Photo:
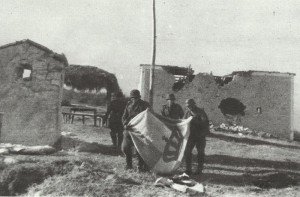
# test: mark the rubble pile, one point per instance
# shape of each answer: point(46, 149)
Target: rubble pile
point(241, 131)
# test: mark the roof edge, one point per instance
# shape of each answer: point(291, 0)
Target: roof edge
point(60, 57)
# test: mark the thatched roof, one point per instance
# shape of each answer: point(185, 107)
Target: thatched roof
point(90, 78)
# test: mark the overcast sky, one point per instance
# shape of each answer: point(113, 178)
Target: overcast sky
point(116, 35)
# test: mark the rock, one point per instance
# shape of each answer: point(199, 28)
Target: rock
point(4, 151)
point(37, 150)
point(68, 134)
point(10, 160)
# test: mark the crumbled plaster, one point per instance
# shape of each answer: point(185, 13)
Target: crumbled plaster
point(270, 92)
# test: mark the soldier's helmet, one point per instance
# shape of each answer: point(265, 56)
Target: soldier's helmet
point(170, 97)
point(135, 94)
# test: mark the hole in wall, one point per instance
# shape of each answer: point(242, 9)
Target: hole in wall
point(221, 81)
point(232, 106)
point(180, 82)
point(259, 111)
point(24, 71)
point(232, 109)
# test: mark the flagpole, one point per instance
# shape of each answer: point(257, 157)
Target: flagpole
point(153, 58)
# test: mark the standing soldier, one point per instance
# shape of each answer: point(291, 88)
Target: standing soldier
point(133, 108)
point(172, 109)
point(114, 116)
point(199, 128)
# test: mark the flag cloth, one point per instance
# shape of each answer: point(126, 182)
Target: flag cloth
point(160, 141)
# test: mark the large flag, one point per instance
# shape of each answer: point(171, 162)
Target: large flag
point(160, 141)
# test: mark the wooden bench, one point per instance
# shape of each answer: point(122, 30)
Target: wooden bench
point(69, 117)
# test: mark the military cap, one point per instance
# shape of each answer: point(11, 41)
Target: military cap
point(135, 94)
point(190, 101)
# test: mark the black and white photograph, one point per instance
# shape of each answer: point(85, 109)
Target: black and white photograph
point(150, 98)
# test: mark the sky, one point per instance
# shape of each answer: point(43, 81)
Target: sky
point(116, 35)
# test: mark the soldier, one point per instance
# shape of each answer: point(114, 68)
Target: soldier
point(199, 128)
point(133, 108)
point(172, 109)
point(114, 116)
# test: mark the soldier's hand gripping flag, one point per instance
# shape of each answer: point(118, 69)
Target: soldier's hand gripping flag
point(160, 141)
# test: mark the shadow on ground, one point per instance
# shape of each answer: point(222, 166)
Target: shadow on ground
point(250, 141)
point(274, 174)
point(70, 143)
point(248, 162)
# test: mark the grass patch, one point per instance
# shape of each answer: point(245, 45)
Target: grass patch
point(17, 178)
point(91, 178)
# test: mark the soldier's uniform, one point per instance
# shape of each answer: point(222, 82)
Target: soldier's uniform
point(114, 116)
point(132, 109)
point(199, 128)
point(172, 110)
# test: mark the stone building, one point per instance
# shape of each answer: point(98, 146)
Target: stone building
point(260, 100)
point(31, 84)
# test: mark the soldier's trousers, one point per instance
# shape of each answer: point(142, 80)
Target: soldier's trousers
point(127, 148)
point(116, 134)
point(200, 144)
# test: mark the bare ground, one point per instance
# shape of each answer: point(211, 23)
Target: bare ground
point(235, 166)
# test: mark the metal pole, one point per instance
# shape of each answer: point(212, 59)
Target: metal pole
point(153, 59)
point(1, 120)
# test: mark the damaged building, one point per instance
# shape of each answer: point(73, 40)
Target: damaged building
point(259, 100)
point(31, 84)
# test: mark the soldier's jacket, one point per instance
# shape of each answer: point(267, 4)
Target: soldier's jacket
point(133, 109)
point(115, 111)
point(199, 123)
point(174, 111)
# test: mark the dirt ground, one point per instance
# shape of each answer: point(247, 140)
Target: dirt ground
point(90, 166)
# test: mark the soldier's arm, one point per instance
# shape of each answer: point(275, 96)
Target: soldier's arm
point(181, 113)
point(107, 113)
point(204, 117)
point(125, 116)
point(163, 111)
point(186, 115)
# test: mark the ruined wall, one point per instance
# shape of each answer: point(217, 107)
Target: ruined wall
point(270, 92)
point(31, 107)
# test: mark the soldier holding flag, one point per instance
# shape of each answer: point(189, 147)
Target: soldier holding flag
point(199, 129)
point(135, 106)
point(172, 109)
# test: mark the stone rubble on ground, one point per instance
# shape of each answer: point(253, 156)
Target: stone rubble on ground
point(67, 134)
point(181, 183)
point(7, 148)
point(241, 131)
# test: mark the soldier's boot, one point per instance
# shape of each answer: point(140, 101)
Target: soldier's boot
point(142, 166)
point(188, 171)
point(188, 163)
point(128, 162)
